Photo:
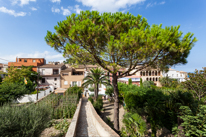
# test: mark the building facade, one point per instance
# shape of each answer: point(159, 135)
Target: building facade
point(72, 76)
point(179, 75)
point(35, 62)
point(135, 80)
point(3, 67)
point(150, 74)
point(51, 74)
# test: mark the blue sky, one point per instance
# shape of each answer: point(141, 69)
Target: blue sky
point(24, 23)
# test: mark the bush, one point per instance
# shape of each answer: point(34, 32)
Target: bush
point(98, 105)
point(91, 100)
point(134, 125)
point(11, 91)
point(75, 90)
point(148, 84)
point(35, 92)
point(24, 121)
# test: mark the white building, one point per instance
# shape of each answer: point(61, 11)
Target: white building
point(179, 75)
point(50, 74)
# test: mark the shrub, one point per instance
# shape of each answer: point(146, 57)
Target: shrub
point(74, 90)
point(11, 91)
point(24, 121)
point(91, 100)
point(148, 84)
point(134, 125)
point(194, 124)
point(98, 105)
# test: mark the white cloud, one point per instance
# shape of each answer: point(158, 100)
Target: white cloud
point(12, 12)
point(161, 3)
point(49, 56)
point(55, 10)
point(155, 3)
point(109, 5)
point(32, 8)
point(56, 1)
point(22, 2)
point(77, 9)
point(66, 12)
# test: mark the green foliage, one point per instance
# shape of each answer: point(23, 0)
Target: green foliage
point(24, 121)
point(160, 108)
point(135, 126)
point(197, 83)
point(0, 79)
point(141, 84)
point(91, 89)
point(91, 100)
point(96, 77)
point(109, 91)
point(168, 82)
point(75, 90)
point(130, 81)
point(62, 126)
point(148, 84)
point(11, 91)
point(98, 104)
point(35, 92)
point(194, 124)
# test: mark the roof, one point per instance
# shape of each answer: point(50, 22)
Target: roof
point(51, 66)
point(30, 58)
point(67, 70)
point(56, 75)
point(172, 69)
point(182, 72)
point(133, 76)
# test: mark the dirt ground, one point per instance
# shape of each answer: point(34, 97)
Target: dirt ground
point(109, 112)
point(51, 131)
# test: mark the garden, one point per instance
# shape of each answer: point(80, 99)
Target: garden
point(55, 111)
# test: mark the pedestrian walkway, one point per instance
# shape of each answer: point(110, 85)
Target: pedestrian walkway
point(85, 126)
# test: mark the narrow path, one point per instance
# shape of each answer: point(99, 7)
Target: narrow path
point(85, 125)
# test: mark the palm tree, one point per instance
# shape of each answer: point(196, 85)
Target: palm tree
point(96, 77)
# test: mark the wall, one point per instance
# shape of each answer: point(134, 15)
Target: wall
point(48, 71)
point(71, 78)
point(176, 75)
point(32, 97)
point(50, 81)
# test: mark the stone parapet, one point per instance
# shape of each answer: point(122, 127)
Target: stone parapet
point(73, 125)
point(103, 129)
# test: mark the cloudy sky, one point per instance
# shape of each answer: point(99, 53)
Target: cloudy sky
point(24, 23)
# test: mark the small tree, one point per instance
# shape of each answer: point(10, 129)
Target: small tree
point(0, 79)
point(148, 84)
point(141, 84)
point(95, 77)
point(11, 91)
point(197, 83)
point(109, 91)
point(130, 81)
point(117, 40)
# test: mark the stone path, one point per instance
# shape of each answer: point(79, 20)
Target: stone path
point(85, 126)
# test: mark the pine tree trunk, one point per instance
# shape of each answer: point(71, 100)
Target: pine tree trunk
point(116, 103)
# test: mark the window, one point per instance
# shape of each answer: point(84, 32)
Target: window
point(172, 75)
point(34, 60)
point(74, 83)
point(43, 80)
point(19, 59)
point(177, 75)
point(55, 83)
point(55, 71)
point(65, 82)
point(77, 73)
point(55, 79)
point(181, 75)
point(25, 60)
point(65, 74)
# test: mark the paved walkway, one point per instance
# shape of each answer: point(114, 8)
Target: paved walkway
point(85, 126)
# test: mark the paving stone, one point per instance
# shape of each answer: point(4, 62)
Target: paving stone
point(85, 125)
